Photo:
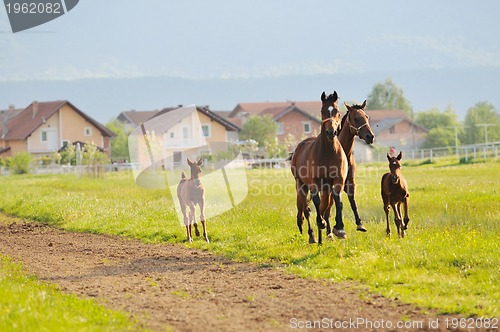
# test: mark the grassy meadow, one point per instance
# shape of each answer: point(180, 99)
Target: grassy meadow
point(449, 260)
point(27, 304)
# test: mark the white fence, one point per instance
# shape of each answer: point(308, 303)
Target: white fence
point(462, 153)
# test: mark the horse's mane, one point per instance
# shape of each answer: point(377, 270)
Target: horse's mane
point(356, 106)
point(342, 122)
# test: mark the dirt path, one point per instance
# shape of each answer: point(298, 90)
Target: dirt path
point(189, 290)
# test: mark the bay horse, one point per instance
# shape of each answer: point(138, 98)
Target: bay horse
point(319, 165)
point(354, 123)
point(394, 192)
point(191, 193)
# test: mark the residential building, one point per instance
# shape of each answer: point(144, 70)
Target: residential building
point(180, 133)
point(294, 120)
point(45, 127)
point(393, 128)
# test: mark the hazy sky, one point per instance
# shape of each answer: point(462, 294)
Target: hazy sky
point(200, 39)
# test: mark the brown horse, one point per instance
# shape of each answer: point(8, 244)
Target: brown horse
point(394, 192)
point(191, 193)
point(354, 123)
point(319, 165)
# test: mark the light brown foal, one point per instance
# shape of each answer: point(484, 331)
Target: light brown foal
point(394, 192)
point(191, 193)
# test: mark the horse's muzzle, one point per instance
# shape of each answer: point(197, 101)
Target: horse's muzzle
point(369, 138)
point(395, 179)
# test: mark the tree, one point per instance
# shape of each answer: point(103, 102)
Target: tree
point(441, 127)
point(388, 96)
point(119, 143)
point(439, 137)
point(259, 128)
point(483, 113)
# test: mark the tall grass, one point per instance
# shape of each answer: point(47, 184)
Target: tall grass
point(449, 260)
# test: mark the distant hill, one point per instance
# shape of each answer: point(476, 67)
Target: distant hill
point(105, 98)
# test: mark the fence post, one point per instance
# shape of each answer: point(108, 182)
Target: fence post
point(430, 155)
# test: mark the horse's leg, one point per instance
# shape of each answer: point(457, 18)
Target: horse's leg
point(350, 189)
point(301, 197)
point(338, 229)
point(304, 211)
point(185, 215)
point(191, 219)
point(324, 213)
point(319, 218)
point(195, 223)
point(387, 208)
point(397, 217)
point(203, 220)
point(407, 218)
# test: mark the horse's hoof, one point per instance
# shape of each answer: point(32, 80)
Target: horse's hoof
point(312, 240)
point(207, 240)
point(340, 233)
point(330, 235)
point(197, 232)
point(361, 228)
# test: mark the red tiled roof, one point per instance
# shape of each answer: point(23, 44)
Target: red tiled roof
point(27, 121)
point(311, 107)
point(137, 117)
point(278, 112)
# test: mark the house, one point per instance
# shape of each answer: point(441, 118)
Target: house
point(132, 119)
point(295, 120)
point(45, 127)
point(178, 133)
point(393, 128)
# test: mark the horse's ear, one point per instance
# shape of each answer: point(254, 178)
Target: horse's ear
point(323, 96)
point(347, 105)
point(364, 104)
point(400, 155)
point(388, 157)
point(200, 162)
point(335, 96)
point(190, 163)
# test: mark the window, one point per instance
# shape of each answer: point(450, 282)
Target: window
point(307, 127)
point(44, 136)
point(88, 131)
point(185, 132)
point(206, 132)
point(392, 130)
point(280, 129)
point(172, 135)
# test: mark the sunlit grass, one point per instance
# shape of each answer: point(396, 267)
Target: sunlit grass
point(27, 304)
point(449, 260)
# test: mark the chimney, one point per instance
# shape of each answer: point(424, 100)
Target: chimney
point(35, 108)
point(12, 108)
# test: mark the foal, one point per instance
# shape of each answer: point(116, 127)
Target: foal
point(191, 193)
point(394, 192)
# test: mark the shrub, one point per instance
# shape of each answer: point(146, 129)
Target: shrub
point(19, 163)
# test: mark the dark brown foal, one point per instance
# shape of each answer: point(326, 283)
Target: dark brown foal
point(394, 192)
point(191, 193)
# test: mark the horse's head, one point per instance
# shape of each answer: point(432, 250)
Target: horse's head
point(358, 122)
point(195, 171)
point(330, 115)
point(395, 167)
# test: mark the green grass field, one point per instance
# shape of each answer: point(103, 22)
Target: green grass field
point(449, 260)
point(29, 305)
